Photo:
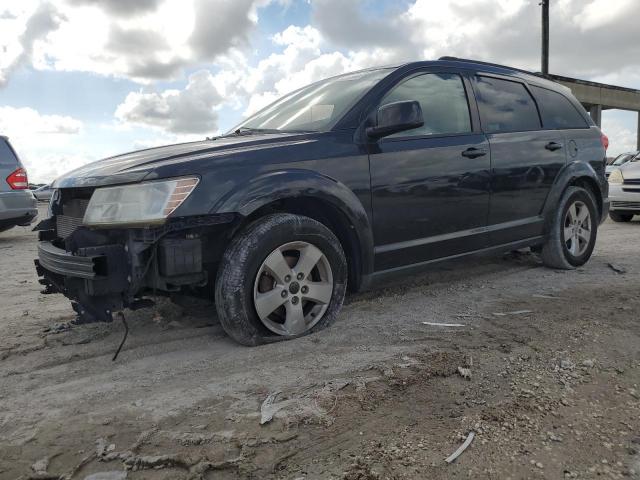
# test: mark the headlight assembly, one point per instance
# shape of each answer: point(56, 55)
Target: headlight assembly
point(145, 203)
point(616, 177)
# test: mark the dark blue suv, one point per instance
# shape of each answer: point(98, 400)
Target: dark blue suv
point(339, 184)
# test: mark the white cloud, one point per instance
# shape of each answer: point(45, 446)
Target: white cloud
point(19, 43)
point(141, 40)
point(125, 8)
point(178, 111)
point(28, 123)
point(42, 140)
point(301, 62)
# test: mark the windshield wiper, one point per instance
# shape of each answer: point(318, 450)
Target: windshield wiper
point(249, 130)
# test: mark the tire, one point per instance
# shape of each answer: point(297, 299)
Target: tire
point(244, 280)
point(559, 253)
point(620, 217)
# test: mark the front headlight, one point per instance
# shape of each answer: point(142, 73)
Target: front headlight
point(143, 203)
point(616, 177)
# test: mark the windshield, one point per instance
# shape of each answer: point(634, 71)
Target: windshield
point(315, 107)
point(624, 158)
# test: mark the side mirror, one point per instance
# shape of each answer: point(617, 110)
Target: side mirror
point(396, 117)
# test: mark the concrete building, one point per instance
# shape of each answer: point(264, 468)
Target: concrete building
point(599, 96)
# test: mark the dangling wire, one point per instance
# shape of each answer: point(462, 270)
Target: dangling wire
point(126, 332)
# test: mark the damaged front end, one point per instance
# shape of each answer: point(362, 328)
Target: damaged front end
point(104, 268)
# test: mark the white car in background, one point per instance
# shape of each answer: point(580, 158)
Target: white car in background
point(621, 160)
point(43, 194)
point(624, 192)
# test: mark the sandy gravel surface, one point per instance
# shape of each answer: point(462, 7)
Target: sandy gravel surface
point(553, 392)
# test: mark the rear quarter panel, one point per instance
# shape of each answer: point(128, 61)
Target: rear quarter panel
point(585, 145)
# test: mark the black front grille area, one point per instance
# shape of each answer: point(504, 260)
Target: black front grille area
point(632, 184)
point(66, 225)
point(71, 208)
point(629, 205)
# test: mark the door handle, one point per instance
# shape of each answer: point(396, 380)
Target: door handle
point(473, 152)
point(553, 146)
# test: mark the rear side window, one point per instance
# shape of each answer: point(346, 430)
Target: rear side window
point(505, 106)
point(7, 157)
point(557, 111)
point(443, 101)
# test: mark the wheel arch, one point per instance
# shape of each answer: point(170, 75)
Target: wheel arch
point(316, 196)
point(579, 174)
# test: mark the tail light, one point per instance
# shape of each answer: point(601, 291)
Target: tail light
point(18, 179)
point(605, 141)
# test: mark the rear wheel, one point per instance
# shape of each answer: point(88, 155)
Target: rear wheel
point(573, 231)
point(620, 217)
point(282, 277)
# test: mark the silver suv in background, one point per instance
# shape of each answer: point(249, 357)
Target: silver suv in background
point(18, 206)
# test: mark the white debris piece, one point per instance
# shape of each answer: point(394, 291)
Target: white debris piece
point(465, 372)
point(451, 458)
point(517, 312)
point(115, 475)
point(435, 324)
point(267, 410)
point(41, 466)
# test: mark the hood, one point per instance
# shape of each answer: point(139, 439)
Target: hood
point(135, 166)
point(631, 170)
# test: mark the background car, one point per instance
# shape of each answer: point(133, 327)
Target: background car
point(43, 194)
point(624, 192)
point(621, 160)
point(17, 204)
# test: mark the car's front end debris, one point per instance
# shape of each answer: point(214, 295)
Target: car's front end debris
point(105, 248)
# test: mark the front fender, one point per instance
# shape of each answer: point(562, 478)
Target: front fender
point(270, 187)
point(568, 175)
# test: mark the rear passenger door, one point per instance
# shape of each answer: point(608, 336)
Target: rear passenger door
point(525, 159)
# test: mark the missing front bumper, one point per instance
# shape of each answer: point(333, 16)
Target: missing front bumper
point(95, 277)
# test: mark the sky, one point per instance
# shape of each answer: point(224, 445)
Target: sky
point(81, 80)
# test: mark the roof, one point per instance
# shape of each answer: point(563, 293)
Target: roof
point(496, 68)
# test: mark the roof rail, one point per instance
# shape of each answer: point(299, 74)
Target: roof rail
point(467, 60)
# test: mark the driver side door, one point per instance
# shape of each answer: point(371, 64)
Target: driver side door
point(431, 185)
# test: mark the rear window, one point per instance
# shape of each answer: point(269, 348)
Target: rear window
point(505, 106)
point(557, 111)
point(7, 157)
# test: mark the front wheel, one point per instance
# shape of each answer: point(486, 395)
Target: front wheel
point(621, 217)
point(282, 277)
point(573, 231)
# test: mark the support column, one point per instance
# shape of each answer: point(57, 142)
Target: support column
point(545, 37)
point(638, 136)
point(596, 114)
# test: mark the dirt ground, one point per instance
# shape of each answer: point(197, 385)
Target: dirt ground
point(545, 371)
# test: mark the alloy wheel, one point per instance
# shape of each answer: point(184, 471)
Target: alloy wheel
point(577, 229)
point(293, 288)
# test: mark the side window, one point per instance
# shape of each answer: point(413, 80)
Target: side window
point(443, 101)
point(557, 111)
point(505, 106)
